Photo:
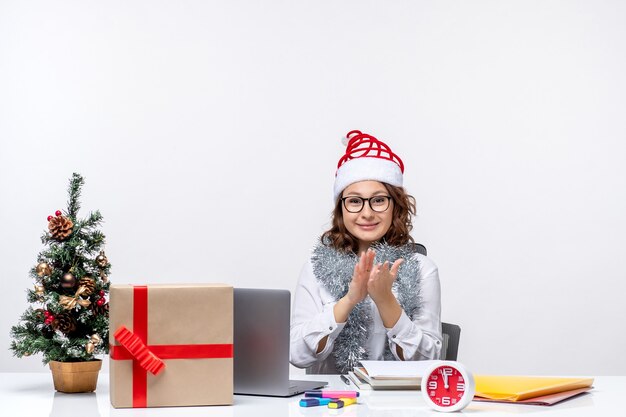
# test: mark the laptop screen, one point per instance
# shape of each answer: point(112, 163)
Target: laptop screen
point(261, 340)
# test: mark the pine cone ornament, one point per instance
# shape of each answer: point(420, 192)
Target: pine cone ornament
point(64, 322)
point(89, 284)
point(60, 227)
point(100, 310)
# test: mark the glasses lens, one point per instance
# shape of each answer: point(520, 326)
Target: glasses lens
point(379, 203)
point(353, 204)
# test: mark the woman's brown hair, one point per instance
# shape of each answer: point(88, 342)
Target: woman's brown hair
point(398, 234)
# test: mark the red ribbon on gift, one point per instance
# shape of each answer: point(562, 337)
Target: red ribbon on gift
point(149, 358)
point(139, 351)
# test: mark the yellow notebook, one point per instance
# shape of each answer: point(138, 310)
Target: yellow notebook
point(516, 388)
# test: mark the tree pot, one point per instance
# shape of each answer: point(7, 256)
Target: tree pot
point(75, 376)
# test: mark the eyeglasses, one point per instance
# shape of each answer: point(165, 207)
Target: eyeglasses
point(378, 203)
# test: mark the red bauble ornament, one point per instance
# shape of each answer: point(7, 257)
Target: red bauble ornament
point(46, 313)
point(100, 301)
point(49, 218)
point(101, 293)
point(58, 212)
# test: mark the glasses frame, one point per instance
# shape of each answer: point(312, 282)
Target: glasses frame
point(363, 200)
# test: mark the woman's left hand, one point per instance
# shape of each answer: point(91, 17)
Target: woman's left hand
point(380, 282)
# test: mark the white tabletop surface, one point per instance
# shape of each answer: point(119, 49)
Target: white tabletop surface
point(32, 394)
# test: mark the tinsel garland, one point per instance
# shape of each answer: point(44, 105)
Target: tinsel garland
point(334, 269)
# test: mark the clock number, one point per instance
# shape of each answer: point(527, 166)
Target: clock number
point(460, 386)
point(446, 401)
point(432, 384)
point(445, 373)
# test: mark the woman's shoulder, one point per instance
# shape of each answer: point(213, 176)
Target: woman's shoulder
point(307, 267)
point(426, 265)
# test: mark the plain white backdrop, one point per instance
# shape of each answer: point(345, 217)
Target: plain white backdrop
point(208, 133)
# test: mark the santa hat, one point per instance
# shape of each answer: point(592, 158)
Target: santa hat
point(367, 158)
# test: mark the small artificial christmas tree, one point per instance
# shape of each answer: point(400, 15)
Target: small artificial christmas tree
point(71, 288)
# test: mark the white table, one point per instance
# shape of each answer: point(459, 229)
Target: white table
point(32, 394)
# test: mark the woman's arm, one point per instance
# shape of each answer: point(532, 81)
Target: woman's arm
point(421, 337)
point(312, 321)
point(379, 285)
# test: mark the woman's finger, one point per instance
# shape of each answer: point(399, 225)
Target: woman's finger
point(370, 259)
point(362, 261)
point(396, 266)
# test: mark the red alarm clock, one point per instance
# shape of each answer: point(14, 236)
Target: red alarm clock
point(448, 386)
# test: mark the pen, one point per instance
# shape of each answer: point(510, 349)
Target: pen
point(342, 402)
point(331, 394)
point(345, 379)
point(314, 402)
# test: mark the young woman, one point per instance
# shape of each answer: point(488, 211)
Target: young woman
point(366, 293)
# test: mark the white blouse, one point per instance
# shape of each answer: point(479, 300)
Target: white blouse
point(313, 319)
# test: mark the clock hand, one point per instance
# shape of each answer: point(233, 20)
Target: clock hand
point(445, 379)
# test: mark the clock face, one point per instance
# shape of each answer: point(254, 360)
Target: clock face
point(447, 387)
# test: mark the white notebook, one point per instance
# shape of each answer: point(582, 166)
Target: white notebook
point(396, 369)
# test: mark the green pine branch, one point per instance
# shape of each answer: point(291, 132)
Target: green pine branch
point(74, 190)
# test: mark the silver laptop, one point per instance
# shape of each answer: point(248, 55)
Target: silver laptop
point(261, 344)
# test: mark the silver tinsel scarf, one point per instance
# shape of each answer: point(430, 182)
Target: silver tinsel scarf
point(333, 269)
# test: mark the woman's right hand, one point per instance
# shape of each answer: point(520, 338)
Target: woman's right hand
point(357, 291)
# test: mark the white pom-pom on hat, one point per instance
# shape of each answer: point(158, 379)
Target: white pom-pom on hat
point(346, 139)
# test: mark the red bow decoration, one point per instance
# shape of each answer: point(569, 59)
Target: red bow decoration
point(133, 344)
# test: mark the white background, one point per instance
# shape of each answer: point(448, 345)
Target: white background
point(208, 133)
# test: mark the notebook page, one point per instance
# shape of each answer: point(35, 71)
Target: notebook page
point(396, 369)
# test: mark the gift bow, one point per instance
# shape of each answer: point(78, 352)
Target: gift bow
point(69, 303)
point(144, 356)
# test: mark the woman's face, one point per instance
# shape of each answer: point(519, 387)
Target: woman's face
point(367, 226)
